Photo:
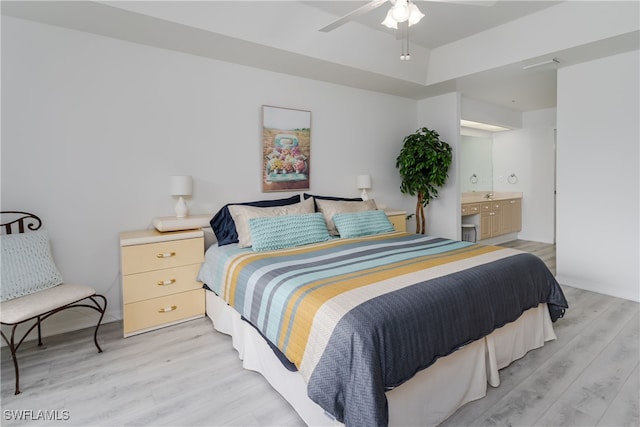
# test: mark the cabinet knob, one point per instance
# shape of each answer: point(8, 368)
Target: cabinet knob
point(512, 201)
point(166, 255)
point(166, 282)
point(167, 309)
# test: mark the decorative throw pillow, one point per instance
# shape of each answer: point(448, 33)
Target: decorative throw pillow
point(359, 224)
point(242, 214)
point(225, 229)
point(331, 207)
point(281, 232)
point(27, 264)
point(345, 199)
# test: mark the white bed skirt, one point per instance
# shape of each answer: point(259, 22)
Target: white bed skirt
point(428, 398)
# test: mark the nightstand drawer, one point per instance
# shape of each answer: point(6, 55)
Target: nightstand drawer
point(156, 256)
point(142, 315)
point(158, 283)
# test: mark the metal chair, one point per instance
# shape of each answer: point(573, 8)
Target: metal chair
point(41, 304)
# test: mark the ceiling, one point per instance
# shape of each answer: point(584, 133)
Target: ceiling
point(512, 88)
point(436, 29)
point(283, 36)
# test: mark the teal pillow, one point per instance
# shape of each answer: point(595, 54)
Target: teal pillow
point(365, 223)
point(287, 231)
point(27, 264)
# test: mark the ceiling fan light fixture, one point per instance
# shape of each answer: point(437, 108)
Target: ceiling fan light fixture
point(389, 22)
point(400, 11)
point(416, 15)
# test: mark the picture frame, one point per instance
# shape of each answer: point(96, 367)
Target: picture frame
point(286, 149)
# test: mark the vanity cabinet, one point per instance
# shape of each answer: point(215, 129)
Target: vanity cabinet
point(491, 220)
point(496, 217)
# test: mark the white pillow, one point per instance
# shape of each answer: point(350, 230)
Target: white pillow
point(27, 264)
point(241, 215)
point(331, 207)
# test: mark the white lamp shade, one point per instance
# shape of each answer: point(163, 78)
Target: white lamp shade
point(363, 182)
point(400, 11)
point(416, 14)
point(181, 185)
point(389, 22)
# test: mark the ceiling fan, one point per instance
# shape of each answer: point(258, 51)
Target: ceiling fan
point(403, 12)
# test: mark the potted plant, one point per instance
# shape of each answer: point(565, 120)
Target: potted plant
point(423, 163)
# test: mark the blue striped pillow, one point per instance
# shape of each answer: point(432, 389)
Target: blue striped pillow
point(287, 231)
point(357, 224)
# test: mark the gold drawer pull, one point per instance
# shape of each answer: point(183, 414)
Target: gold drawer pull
point(166, 255)
point(166, 282)
point(167, 309)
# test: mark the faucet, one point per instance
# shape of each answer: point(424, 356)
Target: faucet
point(489, 195)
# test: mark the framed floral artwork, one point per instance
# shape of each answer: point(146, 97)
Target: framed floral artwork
point(286, 149)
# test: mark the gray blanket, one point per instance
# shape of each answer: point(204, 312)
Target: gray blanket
point(360, 316)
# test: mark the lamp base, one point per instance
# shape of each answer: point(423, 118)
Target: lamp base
point(181, 208)
point(364, 195)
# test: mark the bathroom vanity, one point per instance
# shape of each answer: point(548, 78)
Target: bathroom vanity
point(494, 214)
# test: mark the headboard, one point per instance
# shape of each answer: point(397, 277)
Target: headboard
point(12, 221)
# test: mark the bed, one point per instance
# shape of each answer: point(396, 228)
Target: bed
point(372, 327)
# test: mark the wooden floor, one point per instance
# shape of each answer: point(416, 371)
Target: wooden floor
point(188, 375)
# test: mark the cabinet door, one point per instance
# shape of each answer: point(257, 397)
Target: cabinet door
point(485, 225)
point(497, 225)
point(515, 209)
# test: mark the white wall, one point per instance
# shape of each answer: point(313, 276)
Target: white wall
point(529, 154)
point(442, 114)
point(598, 180)
point(565, 25)
point(483, 112)
point(92, 127)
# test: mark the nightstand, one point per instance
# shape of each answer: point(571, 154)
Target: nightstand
point(398, 219)
point(159, 286)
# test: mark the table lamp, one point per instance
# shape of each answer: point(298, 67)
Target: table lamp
point(363, 182)
point(181, 185)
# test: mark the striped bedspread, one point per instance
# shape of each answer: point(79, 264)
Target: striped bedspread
point(360, 316)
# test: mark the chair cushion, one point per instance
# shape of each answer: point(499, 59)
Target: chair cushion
point(20, 309)
point(27, 264)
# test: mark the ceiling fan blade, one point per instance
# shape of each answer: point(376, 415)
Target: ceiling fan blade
point(353, 14)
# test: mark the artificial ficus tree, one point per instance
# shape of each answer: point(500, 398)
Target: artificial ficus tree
point(423, 164)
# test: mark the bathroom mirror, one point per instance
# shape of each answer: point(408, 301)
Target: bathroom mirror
point(476, 165)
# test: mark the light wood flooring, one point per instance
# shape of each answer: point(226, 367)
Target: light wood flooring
point(189, 375)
